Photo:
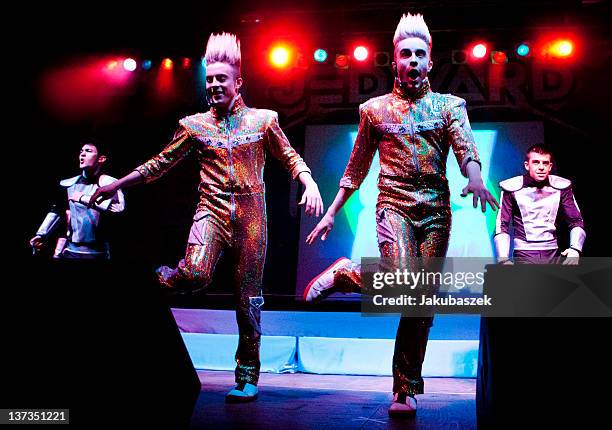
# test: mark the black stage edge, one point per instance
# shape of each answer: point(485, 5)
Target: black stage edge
point(98, 339)
point(541, 372)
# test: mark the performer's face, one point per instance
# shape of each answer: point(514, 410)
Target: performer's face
point(412, 62)
point(538, 166)
point(89, 157)
point(222, 84)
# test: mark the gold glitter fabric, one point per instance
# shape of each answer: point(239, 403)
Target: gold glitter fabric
point(243, 241)
point(399, 240)
point(231, 152)
point(413, 135)
point(231, 214)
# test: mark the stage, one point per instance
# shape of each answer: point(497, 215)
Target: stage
point(305, 401)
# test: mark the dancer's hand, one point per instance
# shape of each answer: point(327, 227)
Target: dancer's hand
point(76, 196)
point(324, 226)
point(571, 257)
point(480, 192)
point(37, 242)
point(102, 193)
point(312, 200)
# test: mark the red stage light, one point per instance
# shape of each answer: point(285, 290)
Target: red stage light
point(129, 64)
point(560, 48)
point(112, 65)
point(186, 63)
point(167, 64)
point(281, 56)
point(499, 57)
point(479, 50)
point(361, 53)
point(342, 61)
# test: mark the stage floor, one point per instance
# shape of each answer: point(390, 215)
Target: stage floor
point(306, 401)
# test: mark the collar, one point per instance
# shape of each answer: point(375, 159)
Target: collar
point(402, 93)
point(84, 179)
point(528, 181)
point(236, 105)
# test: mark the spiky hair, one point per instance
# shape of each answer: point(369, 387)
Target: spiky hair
point(412, 26)
point(223, 48)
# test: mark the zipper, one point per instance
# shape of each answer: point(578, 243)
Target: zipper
point(413, 141)
point(231, 168)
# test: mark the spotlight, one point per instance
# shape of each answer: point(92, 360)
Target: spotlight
point(360, 53)
point(342, 61)
point(523, 50)
point(129, 64)
point(382, 59)
point(479, 50)
point(499, 57)
point(280, 56)
point(320, 55)
point(561, 48)
point(167, 64)
point(459, 56)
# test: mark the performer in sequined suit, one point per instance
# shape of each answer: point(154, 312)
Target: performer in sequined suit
point(85, 238)
point(230, 142)
point(413, 129)
point(534, 204)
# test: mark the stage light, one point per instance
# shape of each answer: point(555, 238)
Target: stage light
point(112, 65)
point(360, 53)
point(499, 57)
point(167, 64)
point(320, 55)
point(561, 48)
point(382, 59)
point(203, 63)
point(280, 56)
point(479, 50)
point(186, 63)
point(459, 56)
point(342, 61)
point(129, 64)
point(522, 50)
point(146, 64)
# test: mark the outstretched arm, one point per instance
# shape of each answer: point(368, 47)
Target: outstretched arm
point(156, 167)
point(108, 191)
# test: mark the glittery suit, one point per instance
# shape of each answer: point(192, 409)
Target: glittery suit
point(413, 135)
point(231, 213)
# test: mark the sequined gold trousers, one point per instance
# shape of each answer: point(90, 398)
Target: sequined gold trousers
point(241, 238)
point(398, 240)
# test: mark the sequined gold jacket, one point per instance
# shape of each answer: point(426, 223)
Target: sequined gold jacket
point(230, 150)
point(413, 136)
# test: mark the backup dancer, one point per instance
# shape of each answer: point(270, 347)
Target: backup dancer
point(85, 225)
point(534, 204)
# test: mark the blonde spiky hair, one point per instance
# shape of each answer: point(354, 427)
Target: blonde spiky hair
point(412, 26)
point(223, 48)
